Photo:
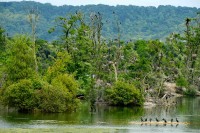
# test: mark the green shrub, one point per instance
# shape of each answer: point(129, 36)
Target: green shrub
point(67, 82)
point(51, 99)
point(60, 96)
point(191, 91)
point(181, 81)
point(70, 87)
point(20, 60)
point(37, 83)
point(20, 95)
point(30, 94)
point(124, 94)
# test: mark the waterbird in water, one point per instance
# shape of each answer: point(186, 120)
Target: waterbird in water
point(177, 120)
point(145, 120)
point(171, 120)
point(157, 120)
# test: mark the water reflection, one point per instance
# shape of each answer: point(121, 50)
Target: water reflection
point(103, 114)
point(125, 119)
point(189, 109)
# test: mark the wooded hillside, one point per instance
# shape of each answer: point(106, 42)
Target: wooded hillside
point(133, 22)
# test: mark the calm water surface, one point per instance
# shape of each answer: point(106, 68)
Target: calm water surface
point(126, 120)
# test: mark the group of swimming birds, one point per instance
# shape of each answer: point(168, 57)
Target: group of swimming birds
point(164, 120)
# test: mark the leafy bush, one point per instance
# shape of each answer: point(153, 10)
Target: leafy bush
point(191, 91)
point(20, 60)
point(51, 99)
point(124, 94)
point(60, 96)
point(20, 95)
point(181, 81)
point(70, 88)
point(30, 94)
point(37, 83)
point(59, 66)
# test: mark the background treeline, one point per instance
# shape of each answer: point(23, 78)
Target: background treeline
point(135, 22)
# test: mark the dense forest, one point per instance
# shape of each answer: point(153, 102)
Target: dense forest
point(52, 76)
point(134, 22)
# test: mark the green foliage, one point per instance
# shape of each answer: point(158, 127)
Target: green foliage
point(2, 51)
point(33, 94)
point(193, 47)
point(136, 22)
point(181, 81)
point(26, 90)
point(52, 99)
point(76, 40)
point(18, 90)
point(70, 87)
point(124, 94)
point(59, 66)
point(82, 61)
point(191, 91)
point(60, 96)
point(37, 83)
point(67, 82)
point(2, 39)
point(46, 54)
point(20, 95)
point(20, 61)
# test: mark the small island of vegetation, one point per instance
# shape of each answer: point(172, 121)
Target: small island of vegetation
point(37, 75)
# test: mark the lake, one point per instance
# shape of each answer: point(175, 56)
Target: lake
point(108, 119)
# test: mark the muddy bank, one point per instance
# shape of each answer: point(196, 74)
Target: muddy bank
point(170, 93)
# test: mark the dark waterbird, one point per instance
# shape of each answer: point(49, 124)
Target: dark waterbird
point(171, 120)
point(177, 120)
point(164, 120)
point(141, 119)
point(157, 120)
